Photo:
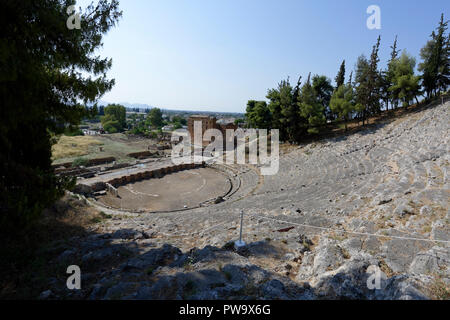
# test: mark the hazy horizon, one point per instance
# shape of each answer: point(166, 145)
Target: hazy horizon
point(215, 56)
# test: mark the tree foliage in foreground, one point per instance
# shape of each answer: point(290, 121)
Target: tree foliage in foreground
point(43, 89)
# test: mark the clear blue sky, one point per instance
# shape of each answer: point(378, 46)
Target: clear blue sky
point(217, 54)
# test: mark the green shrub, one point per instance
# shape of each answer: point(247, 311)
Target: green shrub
point(80, 162)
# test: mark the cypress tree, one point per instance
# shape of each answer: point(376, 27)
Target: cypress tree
point(340, 78)
point(362, 87)
point(388, 78)
point(435, 66)
point(373, 81)
point(442, 57)
point(291, 113)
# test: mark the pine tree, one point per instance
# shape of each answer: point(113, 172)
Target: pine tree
point(342, 102)
point(405, 84)
point(262, 115)
point(323, 90)
point(280, 99)
point(435, 66)
point(384, 87)
point(258, 115)
point(310, 107)
point(362, 86)
point(249, 113)
point(275, 109)
point(387, 78)
point(49, 73)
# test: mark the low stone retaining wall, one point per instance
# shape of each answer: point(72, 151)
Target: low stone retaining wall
point(155, 173)
point(139, 176)
point(142, 155)
point(89, 163)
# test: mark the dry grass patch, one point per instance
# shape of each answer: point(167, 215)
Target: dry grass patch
point(386, 269)
point(439, 290)
point(338, 235)
point(285, 148)
point(73, 146)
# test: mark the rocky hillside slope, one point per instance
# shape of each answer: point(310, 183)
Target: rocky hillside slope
point(336, 212)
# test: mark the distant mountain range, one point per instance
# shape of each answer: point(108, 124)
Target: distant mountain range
point(127, 104)
point(146, 106)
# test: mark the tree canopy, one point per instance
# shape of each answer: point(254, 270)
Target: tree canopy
point(323, 90)
point(303, 110)
point(258, 114)
point(405, 85)
point(48, 73)
point(435, 66)
point(114, 119)
point(310, 107)
point(340, 78)
point(155, 118)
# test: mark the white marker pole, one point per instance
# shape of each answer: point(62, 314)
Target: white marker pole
point(240, 244)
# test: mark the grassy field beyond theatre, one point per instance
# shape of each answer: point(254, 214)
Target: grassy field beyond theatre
point(90, 147)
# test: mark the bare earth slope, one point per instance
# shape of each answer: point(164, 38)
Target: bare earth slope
point(377, 198)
